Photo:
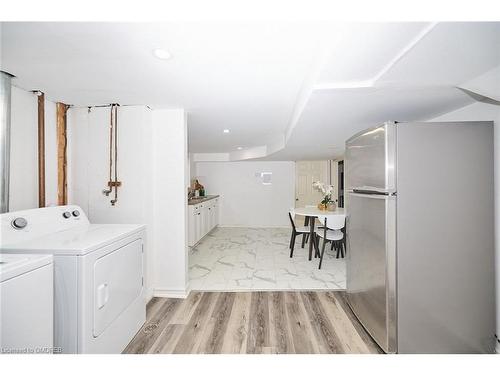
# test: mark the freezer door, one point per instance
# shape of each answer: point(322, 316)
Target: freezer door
point(370, 159)
point(371, 265)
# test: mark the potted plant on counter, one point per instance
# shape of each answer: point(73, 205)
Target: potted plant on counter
point(327, 203)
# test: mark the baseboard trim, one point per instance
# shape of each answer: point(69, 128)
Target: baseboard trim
point(166, 293)
point(256, 226)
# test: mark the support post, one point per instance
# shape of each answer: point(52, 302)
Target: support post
point(62, 188)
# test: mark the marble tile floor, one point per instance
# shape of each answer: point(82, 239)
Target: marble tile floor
point(258, 259)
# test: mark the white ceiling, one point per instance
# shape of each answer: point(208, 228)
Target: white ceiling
point(244, 77)
point(287, 91)
point(416, 74)
point(333, 116)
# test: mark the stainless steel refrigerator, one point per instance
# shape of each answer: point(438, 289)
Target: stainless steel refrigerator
point(420, 236)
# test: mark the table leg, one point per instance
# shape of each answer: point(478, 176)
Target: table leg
point(311, 237)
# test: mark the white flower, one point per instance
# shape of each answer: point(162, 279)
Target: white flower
point(318, 185)
point(326, 190)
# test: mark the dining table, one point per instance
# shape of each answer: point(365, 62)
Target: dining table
point(311, 213)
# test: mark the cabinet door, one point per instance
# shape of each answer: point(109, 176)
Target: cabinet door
point(203, 221)
point(192, 227)
point(210, 216)
point(216, 213)
point(207, 219)
point(198, 226)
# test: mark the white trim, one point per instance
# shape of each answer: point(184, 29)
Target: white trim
point(255, 226)
point(166, 293)
point(148, 295)
point(251, 290)
point(343, 85)
point(426, 30)
point(210, 231)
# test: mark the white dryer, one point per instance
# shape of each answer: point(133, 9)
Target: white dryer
point(26, 303)
point(99, 300)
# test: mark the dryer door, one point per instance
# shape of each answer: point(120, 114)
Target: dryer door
point(118, 281)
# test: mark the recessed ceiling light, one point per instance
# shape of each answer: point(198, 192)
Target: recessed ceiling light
point(239, 148)
point(226, 131)
point(162, 54)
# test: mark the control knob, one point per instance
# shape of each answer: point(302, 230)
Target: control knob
point(19, 223)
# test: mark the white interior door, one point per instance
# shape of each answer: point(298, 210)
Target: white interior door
point(307, 172)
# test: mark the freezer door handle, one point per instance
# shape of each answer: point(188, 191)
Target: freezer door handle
point(370, 192)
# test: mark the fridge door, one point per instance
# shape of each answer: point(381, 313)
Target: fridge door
point(370, 159)
point(371, 265)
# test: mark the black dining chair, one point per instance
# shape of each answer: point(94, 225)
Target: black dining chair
point(296, 231)
point(332, 231)
point(343, 247)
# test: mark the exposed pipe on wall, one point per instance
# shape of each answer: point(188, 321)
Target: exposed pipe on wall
point(5, 96)
point(113, 156)
point(62, 156)
point(41, 148)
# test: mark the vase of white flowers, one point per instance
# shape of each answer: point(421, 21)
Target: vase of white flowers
point(326, 190)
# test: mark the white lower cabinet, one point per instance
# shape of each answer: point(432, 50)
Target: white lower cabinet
point(203, 217)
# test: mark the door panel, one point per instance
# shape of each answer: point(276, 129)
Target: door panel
point(368, 283)
point(306, 173)
point(117, 283)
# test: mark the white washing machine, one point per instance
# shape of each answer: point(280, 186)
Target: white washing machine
point(99, 302)
point(26, 303)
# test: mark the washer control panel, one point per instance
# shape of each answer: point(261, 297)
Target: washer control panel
point(26, 225)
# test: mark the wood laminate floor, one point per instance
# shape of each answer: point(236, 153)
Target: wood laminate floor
point(252, 322)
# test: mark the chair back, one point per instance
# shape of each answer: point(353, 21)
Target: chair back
point(334, 222)
point(291, 215)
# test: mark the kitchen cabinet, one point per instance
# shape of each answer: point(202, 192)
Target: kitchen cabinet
point(203, 218)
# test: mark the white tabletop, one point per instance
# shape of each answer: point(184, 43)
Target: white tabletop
point(314, 211)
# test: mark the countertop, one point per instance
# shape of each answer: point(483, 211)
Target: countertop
point(194, 201)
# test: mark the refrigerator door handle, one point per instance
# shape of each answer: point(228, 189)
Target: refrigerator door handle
point(373, 196)
point(370, 192)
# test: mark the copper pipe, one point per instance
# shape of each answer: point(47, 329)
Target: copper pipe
point(108, 190)
point(41, 149)
point(113, 201)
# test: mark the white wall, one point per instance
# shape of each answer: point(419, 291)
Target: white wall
point(170, 183)
point(88, 163)
point(24, 151)
point(245, 201)
point(88, 169)
point(192, 167)
point(154, 170)
point(486, 112)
